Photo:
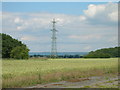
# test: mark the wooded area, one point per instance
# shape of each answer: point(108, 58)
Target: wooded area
point(12, 48)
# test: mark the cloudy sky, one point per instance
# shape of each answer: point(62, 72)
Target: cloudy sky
point(81, 26)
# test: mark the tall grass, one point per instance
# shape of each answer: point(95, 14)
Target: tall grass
point(21, 73)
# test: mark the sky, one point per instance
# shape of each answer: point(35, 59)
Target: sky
point(82, 26)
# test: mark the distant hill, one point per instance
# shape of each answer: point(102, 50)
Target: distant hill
point(104, 53)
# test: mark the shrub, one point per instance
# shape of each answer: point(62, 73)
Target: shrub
point(19, 52)
point(8, 44)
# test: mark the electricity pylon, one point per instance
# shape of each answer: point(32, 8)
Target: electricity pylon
point(54, 38)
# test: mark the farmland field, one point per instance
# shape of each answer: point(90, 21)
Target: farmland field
point(23, 73)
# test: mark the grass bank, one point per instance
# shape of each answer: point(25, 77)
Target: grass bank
point(21, 73)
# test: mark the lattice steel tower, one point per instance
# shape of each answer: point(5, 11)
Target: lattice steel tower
point(54, 38)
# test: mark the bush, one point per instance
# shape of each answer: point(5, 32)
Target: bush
point(104, 53)
point(8, 44)
point(20, 52)
point(97, 55)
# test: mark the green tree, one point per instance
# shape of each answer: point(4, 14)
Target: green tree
point(8, 43)
point(0, 46)
point(104, 53)
point(19, 52)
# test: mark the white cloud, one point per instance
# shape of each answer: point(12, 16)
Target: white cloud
point(17, 20)
point(86, 37)
point(113, 39)
point(105, 13)
point(87, 48)
point(94, 9)
point(34, 21)
point(18, 28)
point(35, 39)
point(95, 14)
point(113, 16)
point(97, 24)
point(28, 38)
point(82, 18)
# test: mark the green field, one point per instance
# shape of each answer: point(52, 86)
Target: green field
point(22, 73)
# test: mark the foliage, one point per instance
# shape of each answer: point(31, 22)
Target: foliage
point(9, 43)
point(59, 56)
point(104, 53)
point(0, 46)
point(19, 52)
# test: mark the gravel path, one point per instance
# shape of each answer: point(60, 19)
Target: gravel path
point(90, 82)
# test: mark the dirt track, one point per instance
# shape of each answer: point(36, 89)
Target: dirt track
point(90, 82)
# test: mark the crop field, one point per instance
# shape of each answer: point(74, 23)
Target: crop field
point(23, 73)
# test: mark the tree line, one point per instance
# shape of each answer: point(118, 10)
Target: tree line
point(58, 56)
point(104, 53)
